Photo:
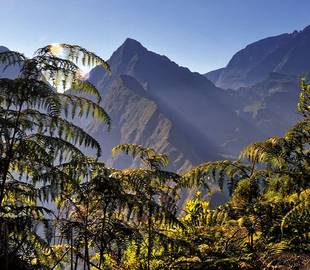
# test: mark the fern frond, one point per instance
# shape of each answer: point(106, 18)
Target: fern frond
point(270, 151)
point(11, 58)
point(85, 106)
point(64, 129)
point(59, 146)
point(85, 87)
point(34, 93)
point(299, 133)
point(75, 53)
point(299, 213)
point(303, 105)
point(149, 155)
point(218, 171)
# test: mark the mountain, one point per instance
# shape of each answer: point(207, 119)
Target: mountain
point(189, 100)
point(138, 118)
point(286, 53)
point(3, 49)
point(10, 71)
point(214, 75)
point(269, 105)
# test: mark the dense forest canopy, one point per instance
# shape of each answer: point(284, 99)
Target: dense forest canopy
point(63, 209)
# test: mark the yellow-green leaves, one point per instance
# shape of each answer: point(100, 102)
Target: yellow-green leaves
point(303, 104)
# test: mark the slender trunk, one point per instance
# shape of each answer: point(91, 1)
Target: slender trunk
point(9, 156)
point(149, 247)
point(251, 241)
point(6, 253)
point(253, 165)
point(71, 257)
point(76, 261)
point(61, 258)
point(85, 253)
point(102, 234)
point(86, 237)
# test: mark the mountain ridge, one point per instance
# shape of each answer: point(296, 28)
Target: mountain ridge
point(284, 53)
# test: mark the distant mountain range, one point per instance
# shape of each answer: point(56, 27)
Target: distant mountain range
point(286, 53)
point(194, 117)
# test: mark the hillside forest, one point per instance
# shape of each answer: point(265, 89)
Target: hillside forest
point(61, 208)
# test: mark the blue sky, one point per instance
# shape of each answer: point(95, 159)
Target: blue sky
point(199, 34)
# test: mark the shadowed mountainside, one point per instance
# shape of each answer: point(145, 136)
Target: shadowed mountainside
point(137, 118)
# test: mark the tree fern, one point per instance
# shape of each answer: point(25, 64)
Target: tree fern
point(39, 147)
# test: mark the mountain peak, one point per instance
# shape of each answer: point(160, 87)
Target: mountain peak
point(3, 49)
point(132, 42)
point(132, 45)
point(126, 55)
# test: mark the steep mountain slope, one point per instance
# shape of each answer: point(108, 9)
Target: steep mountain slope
point(214, 75)
point(137, 118)
point(287, 53)
point(270, 105)
point(189, 96)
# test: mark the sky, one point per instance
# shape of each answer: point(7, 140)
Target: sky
point(202, 35)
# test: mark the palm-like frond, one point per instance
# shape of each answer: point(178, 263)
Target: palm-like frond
point(64, 129)
point(11, 58)
point(218, 171)
point(53, 65)
point(39, 147)
point(270, 151)
point(300, 213)
point(299, 133)
point(58, 145)
point(146, 154)
point(85, 87)
point(74, 53)
point(84, 107)
point(31, 92)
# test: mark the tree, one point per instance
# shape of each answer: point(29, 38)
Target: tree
point(37, 135)
point(155, 189)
